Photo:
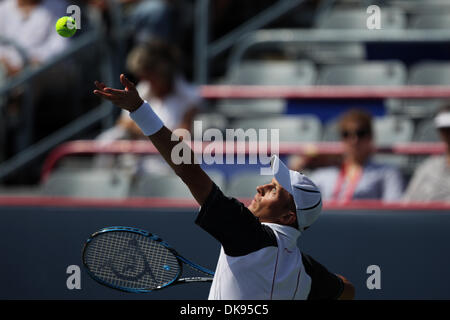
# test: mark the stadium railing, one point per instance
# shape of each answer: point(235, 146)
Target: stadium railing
point(324, 92)
point(91, 148)
point(87, 42)
point(86, 147)
point(305, 36)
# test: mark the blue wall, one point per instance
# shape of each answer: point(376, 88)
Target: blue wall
point(410, 247)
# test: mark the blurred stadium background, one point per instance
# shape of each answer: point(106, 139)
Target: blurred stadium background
point(269, 61)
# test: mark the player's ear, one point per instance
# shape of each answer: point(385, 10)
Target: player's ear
point(289, 218)
point(291, 214)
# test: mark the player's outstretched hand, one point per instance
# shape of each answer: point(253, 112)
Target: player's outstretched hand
point(127, 99)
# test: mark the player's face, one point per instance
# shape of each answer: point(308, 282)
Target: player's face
point(270, 203)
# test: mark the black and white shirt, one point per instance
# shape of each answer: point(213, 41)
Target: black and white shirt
point(260, 261)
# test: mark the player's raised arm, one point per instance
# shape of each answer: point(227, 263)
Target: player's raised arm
point(191, 173)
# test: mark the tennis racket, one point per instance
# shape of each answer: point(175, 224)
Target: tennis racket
point(134, 260)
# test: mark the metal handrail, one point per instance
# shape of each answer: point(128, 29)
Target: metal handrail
point(29, 73)
point(300, 36)
point(29, 154)
point(206, 51)
point(24, 78)
point(323, 92)
point(95, 36)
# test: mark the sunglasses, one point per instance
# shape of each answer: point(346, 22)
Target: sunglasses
point(360, 133)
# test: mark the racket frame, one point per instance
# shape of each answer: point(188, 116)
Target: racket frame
point(180, 260)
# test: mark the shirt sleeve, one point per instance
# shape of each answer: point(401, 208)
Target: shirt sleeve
point(414, 191)
point(325, 285)
point(233, 225)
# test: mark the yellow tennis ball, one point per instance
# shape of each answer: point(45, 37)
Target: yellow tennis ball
point(66, 26)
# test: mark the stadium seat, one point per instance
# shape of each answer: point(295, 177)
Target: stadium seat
point(391, 19)
point(216, 120)
point(388, 73)
point(161, 186)
point(331, 131)
point(426, 131)
point(420, 6)
point(88, 183)
point(168, 185)
point(426, 73)
point(390, 130)
point(264, 72)
point(431, 21)
point(243, 184)
point(430, 73)
point(294, 128)
point(328, 53)
point(244, 108)
point(393, 129)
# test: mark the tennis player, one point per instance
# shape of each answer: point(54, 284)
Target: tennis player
point(259, 258)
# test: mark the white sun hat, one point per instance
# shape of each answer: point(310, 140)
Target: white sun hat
point(442, 120)
point(307, 197)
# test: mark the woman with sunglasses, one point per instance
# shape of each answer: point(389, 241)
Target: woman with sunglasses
point(357, 177)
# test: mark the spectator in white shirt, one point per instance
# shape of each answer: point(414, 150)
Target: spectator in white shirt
point(431, 180)
point(27, 39)
point(30, 25)
point(156, 65)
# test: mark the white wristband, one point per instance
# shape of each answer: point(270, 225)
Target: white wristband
point(147, 119)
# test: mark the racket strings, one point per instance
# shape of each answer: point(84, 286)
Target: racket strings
point(130, 260)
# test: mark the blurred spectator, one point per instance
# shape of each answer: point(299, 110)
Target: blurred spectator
point(30, 25)
point(27, 38)
point(431, 180)
point(146, 19)
point(357, 177)
point(156, 65)
point(161, 83)
point(160, 19)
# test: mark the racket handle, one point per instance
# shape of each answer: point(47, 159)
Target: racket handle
point(195, 279)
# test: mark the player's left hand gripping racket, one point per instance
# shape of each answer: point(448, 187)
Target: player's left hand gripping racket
point(134, 260)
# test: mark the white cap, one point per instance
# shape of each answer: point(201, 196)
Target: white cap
point(307, 197)
point(442, 120)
